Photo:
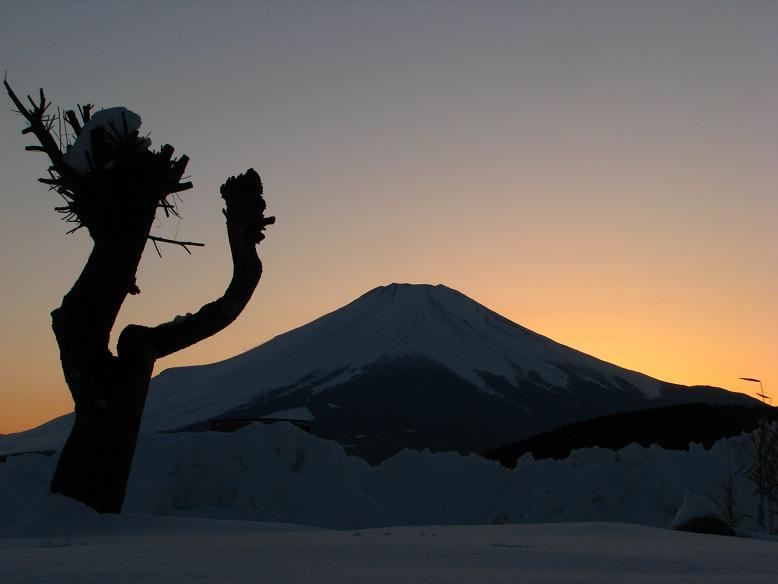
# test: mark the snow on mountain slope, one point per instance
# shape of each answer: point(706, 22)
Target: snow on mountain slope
point(434, 322)
point(402, 366)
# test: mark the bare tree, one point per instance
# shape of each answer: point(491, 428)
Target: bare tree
point(764, 473)
point(116, 199)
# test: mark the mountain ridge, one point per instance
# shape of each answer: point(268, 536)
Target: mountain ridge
point(409, 366)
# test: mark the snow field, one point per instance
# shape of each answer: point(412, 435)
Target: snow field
point(167, 550)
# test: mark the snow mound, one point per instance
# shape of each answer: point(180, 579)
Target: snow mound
point(263, 472)
point(278, 473)
point(118, 121)
point(695, 507)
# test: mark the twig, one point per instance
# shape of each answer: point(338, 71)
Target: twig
point(184, 244)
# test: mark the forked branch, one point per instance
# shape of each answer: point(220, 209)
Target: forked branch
point(38, 124)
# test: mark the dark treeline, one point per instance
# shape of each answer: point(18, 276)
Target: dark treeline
point(672, 428)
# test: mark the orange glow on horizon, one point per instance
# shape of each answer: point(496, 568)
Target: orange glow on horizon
point(669, 349)
point(602, 173)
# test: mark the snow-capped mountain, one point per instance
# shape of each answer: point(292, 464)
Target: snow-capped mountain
point(407, 366)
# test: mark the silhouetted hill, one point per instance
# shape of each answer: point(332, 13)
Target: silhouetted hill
point(672, 428)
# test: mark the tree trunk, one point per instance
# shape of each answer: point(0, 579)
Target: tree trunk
point(110, 391)
point(95, 463)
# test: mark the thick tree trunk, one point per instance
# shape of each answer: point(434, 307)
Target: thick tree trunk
point(95, 463)
point(110, 391)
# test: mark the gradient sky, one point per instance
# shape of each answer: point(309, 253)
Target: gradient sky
point(603, 173)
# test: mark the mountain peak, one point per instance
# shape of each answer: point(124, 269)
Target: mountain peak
point(407, 291)
point(418, 299)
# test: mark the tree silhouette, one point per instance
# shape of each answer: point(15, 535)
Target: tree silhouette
point(115, 189)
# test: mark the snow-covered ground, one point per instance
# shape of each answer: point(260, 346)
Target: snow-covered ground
point(161, 550)
point(219, 507)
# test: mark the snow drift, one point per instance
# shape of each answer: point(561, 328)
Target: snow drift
point(279, 473)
